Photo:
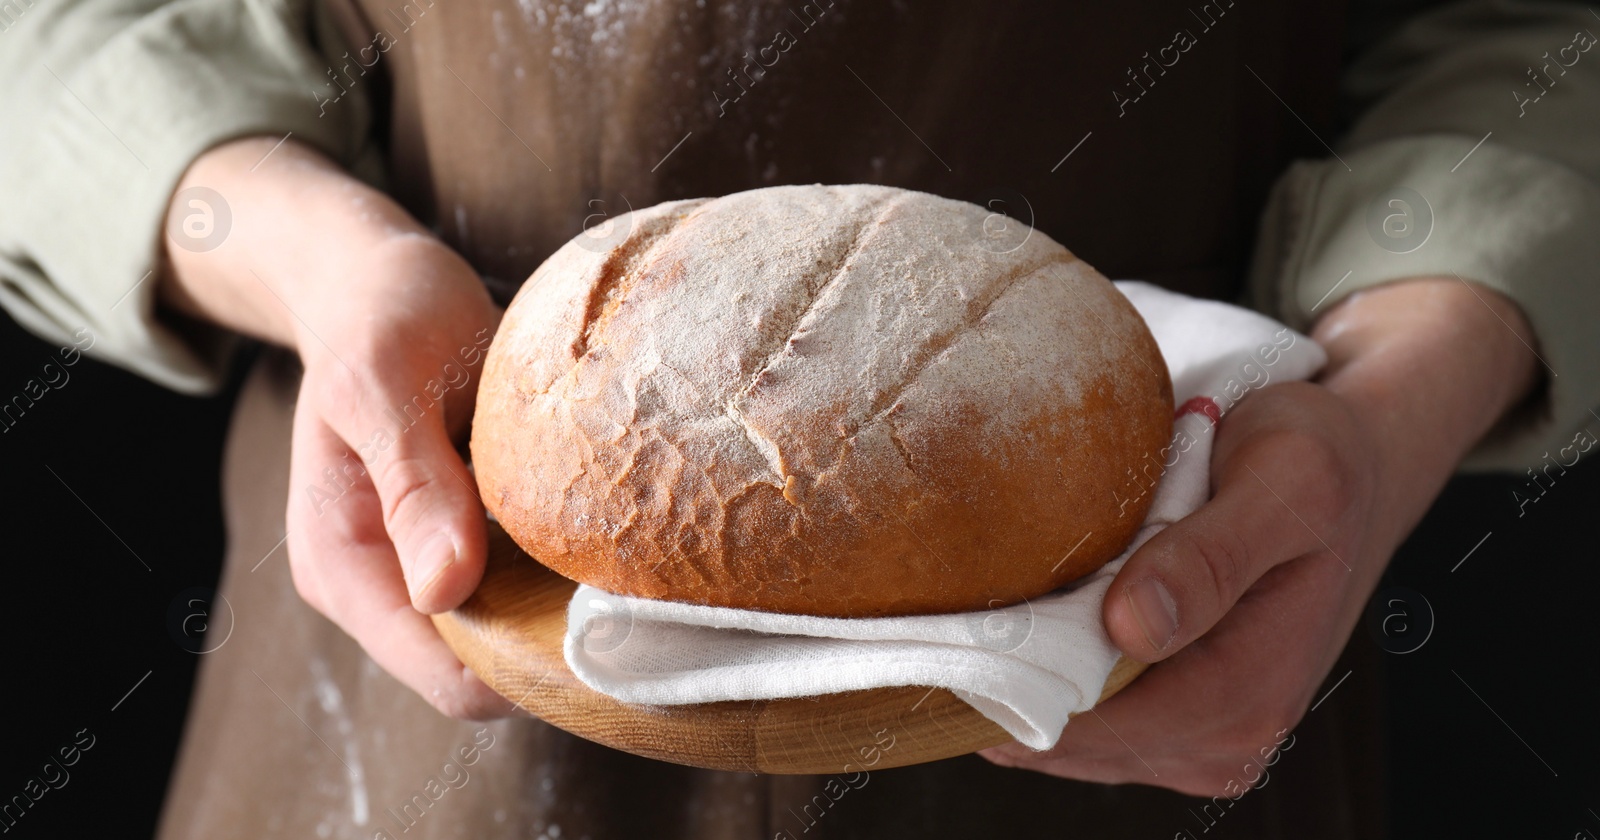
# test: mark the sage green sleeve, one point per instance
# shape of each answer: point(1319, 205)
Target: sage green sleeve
point(106, 103)
point(1476, 154)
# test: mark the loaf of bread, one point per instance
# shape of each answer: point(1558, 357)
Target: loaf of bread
point(836, 401)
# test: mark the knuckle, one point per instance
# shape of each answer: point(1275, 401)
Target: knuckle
point(459, 706)
point(1256, 738)
point(1213, 780)
point(450, 706)
point(999, 758)
point(1279, 721)
point(1327, 479)
point(1225, 557)
point(1244, 742)
point(331, 387)
point(404, 485)
point(305, 581)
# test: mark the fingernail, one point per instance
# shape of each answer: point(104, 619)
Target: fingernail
point(436, 555)
point(1155, 610)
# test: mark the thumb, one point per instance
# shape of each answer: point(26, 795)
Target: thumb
point(430, 505)
point(1181, 582)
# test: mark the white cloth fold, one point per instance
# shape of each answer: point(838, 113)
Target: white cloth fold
point(1027, 667)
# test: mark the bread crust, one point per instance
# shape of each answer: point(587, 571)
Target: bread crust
point(835, 401)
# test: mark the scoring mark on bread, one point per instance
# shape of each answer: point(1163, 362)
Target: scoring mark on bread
point(929, 353)
point(862, 236)
point(622, 263)
point(790, 343)
point(762, 444)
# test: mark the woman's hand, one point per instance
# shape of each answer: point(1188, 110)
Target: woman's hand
point(1247, 602)
point(391, 325)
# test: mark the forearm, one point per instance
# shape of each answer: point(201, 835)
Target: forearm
point(298, 223)
point(84, 250)
point(1431, 365)
point(1480, 164)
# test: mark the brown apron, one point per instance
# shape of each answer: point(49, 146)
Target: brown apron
point(1141, 135)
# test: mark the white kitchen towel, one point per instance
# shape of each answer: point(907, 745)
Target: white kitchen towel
point(1026, 667)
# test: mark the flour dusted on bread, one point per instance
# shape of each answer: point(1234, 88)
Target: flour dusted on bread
point(827, 400)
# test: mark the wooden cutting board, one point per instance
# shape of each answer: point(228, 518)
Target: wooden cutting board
point(511, 630)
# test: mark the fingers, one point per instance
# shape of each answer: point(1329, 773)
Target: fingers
point(1247, 600)
point(1272, 497)
point(1214, 712)
point(344, 565)
point(1180, 583)
point(429, 503)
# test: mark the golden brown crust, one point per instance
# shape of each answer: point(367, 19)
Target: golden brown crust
point(826, 400)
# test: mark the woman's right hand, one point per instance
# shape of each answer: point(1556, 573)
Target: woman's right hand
point(391, 325)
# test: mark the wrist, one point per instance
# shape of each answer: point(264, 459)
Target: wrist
point(297, 226)
point(1429, 366)
point(353, 290)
